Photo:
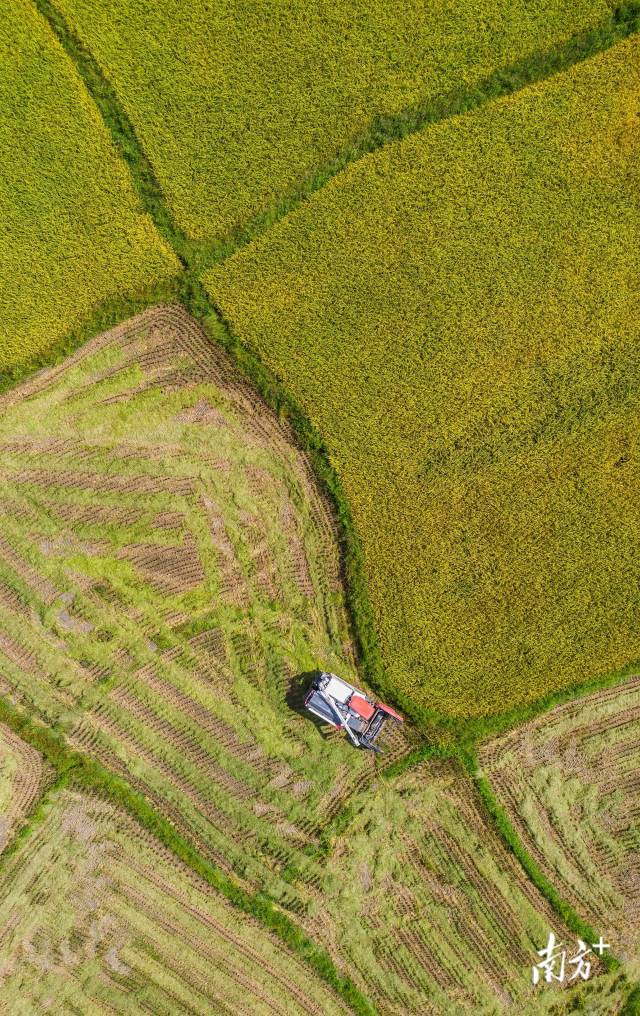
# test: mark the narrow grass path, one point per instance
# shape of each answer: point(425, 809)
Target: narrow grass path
point(499, 816)
point(623, 21)
point(122, 132)
point(632, 1004)
point(443, 738)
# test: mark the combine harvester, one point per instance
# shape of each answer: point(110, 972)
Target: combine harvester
point(342, 705)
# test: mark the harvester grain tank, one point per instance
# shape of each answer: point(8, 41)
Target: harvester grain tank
point(336, 702)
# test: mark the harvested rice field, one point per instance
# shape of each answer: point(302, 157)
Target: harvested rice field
point(236, 104)
point(23, 778)
point(73, 233)
point(97, 919)
point(571, 785)
point(170, 575)
point(466, 302)
point(425, 906)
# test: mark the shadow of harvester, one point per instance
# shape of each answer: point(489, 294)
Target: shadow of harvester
point(295, 696)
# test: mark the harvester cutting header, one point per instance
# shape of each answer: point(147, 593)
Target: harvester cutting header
point(342, 705)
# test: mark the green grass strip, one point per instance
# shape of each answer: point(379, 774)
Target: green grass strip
point(122, 132)
point(198, 255)
point(84, 772)
point(623, 22)
point(632, 1004)
point(501, 821)
point(421, 754)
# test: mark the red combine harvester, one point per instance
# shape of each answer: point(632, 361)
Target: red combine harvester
point(342, 705)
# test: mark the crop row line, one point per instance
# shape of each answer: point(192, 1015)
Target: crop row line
point(74, 767)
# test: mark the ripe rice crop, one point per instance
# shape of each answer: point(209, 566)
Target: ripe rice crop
point(569, 781)
point(172, 574)
point(98, 918)
point(23, 775)
point(235, 104)
point(458, 315)
point(73, 232)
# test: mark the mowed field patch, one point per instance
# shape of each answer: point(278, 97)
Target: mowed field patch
point(236, 104)
point(570, 783)
point(428, 910)
point(172, 578)
point(458, 316)
point(23, 777)
point(74, 234)
point(98, 918)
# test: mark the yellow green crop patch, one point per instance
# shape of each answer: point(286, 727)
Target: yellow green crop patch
point(99, 918)
point(73, 232)
point(458, 316)
point(236, 103)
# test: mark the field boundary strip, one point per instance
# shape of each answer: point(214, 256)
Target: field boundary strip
point(197, 256)
point(571, 918)
point(75, 767)
point(121, 129)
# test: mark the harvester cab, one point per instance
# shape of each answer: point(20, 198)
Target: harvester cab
point(343, 706)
